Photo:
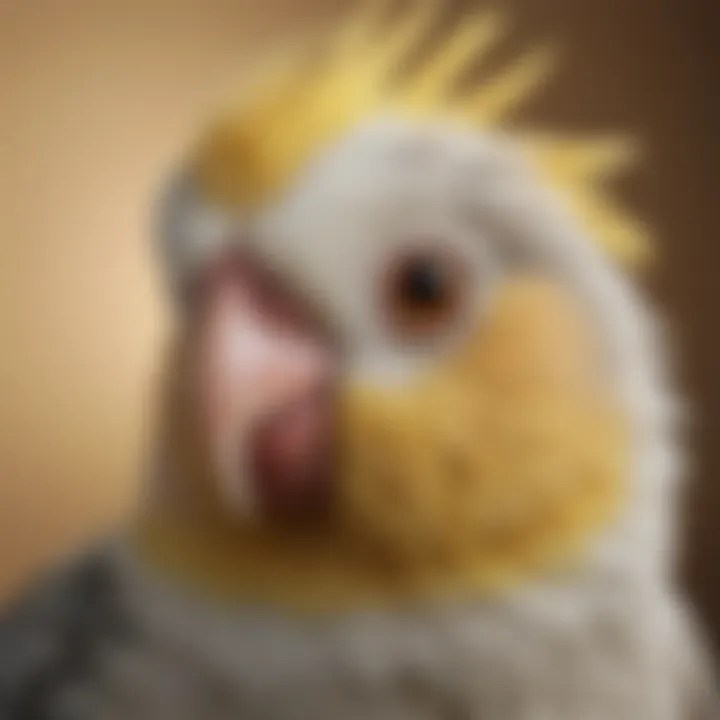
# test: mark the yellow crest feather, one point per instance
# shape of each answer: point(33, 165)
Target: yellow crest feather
point(303, 103)
point(466, 46)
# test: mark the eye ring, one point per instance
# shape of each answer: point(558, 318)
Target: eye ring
point(424, 288)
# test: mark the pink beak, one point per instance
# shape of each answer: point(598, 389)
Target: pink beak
point(266, 378)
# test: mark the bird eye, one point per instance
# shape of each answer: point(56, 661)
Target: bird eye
point(423, 291)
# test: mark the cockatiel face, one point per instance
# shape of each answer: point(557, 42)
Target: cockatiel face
point(403, 361)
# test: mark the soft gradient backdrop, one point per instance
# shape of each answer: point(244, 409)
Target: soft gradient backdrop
point(97, 100)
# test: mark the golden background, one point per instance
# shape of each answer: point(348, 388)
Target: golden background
point(97, 100)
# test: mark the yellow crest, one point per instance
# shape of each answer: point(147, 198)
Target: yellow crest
point(306, 100)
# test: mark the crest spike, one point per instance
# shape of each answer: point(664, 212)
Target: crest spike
point(405, 37)
point(510, 88)
point(467, 45)
point(622, 237)
point(572, 160)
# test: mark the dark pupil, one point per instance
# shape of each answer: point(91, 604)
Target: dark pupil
point(424, 283)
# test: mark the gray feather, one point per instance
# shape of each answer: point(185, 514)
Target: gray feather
point(52, 637)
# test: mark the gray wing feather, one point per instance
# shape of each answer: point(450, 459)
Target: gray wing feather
point(51, 637)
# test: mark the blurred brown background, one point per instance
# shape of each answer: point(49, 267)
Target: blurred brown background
point(97, 98)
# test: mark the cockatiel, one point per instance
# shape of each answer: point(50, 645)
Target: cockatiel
point(417, 456)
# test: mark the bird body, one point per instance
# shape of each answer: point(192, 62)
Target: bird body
point(109, 641)
point(418, 453)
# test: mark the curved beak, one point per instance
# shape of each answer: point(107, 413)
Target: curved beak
point(266, 374)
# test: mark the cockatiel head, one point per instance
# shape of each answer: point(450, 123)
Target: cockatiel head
point(407, 360)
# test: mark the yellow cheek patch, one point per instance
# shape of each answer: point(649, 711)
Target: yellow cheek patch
point(508, 454)
point(501, 462)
